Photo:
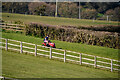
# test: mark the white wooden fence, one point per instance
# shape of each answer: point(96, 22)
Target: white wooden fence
point(12, 27)
point(1, 78)
point(112, 64)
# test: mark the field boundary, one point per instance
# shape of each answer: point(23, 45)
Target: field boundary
point(12, 27)
point(91, 60)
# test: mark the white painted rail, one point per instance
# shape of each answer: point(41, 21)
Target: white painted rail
point(1, 78)
point(14, 45)
point(72, 56)
point(57, 57)
point(28, 52)
point(65, 53)
point(12, 27)
point(43, 54)
point(57, 53)
point(87, 63)
point(88, 59)
point(28, 43)
point(13, 40)
point(11, 24)
point(42, 50)
point(103, 66)
point(28, 47)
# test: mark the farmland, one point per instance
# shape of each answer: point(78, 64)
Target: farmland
point(53, 20)
point(100, 33)
point(17, 65)
point(83, 48)
point(34, 66)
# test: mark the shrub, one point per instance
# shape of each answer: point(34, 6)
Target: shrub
point(99, 38)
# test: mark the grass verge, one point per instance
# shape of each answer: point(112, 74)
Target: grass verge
point(83, 48)
point(18, 65)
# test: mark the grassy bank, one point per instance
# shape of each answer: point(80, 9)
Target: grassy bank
point(53, 20)
point(18, 65)
point(83, 48)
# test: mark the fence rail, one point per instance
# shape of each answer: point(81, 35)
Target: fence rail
point(12, 27)
point(11, 24)
point(77, 57)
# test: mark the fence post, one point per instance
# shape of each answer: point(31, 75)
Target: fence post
point(50, 53)
point(21, 51)
point(6, 44)
point(95, 64)
point(65, 56)
point(111, 65)
point(80, 58)
point(93, 19)
point(35, 50)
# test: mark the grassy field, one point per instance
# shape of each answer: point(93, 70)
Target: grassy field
point(53, 20)
point(27, 66)
point(83, 48)
point(18, 65)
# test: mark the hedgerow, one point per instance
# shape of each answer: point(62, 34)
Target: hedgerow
point(69, 34)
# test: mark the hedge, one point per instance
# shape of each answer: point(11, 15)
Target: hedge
point(69, 34)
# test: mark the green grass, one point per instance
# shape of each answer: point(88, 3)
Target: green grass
point(18, 65)
point(83, 48)
point(53, 20)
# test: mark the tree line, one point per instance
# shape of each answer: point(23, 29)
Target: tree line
point(88, 10)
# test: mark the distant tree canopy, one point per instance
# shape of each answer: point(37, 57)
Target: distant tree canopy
point(88, 10)
point(115, 13)
point(66, 9)
point(37, 8)
point(89, 13)
point(15, 7)
point(42, 9)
